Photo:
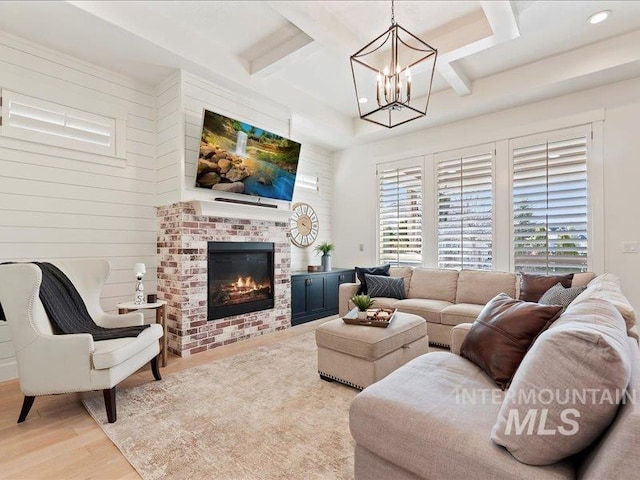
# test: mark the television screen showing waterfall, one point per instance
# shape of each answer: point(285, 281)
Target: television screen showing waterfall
point(240, 158)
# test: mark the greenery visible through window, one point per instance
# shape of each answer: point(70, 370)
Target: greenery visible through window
point(465, 204)
point(400, 215)
point(550, 217)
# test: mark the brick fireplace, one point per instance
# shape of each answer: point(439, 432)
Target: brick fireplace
point(184, 240)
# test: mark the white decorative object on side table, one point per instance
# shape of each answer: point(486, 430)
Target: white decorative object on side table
point(161, 318)
point(139, 269)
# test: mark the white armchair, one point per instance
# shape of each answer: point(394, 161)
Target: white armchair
point(51, 364)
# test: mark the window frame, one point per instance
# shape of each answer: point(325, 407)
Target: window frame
point(114, 124)
point(413, 162)
point(594, 185)
point(476, 150)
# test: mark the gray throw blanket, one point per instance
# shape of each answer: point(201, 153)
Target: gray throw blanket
point(67, 310)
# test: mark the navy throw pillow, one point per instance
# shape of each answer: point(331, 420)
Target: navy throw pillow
point(361, 271)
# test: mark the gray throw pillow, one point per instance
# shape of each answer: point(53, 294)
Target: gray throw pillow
point(379, 286)
point(559, 295)
point(568, 387)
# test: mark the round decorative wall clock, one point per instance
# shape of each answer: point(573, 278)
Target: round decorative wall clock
point(304, 225)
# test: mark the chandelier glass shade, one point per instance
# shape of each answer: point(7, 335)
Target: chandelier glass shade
point(392, 76)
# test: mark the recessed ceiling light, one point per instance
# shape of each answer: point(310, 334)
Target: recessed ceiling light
point(363, 100)
point(599, 17)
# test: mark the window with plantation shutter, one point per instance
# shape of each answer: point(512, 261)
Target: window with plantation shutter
point(550, 214)
point(465, 208)
point(400, 214)
point(36, 120)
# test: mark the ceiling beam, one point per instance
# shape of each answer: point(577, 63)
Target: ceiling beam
point(502, 19)
point(321, 25)
point(278, 56)
point(455, 77)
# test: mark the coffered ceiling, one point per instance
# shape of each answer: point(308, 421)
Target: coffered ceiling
point(492, 54)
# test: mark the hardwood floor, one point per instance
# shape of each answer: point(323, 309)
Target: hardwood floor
point(59, 440)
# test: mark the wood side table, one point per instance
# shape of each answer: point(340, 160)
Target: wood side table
point(161, 318)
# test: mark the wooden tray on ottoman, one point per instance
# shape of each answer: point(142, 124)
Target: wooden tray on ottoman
point(376, 317)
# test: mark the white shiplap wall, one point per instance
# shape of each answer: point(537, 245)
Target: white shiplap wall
point(315, 162)
point(199, 94)
point(57, 203)
point(170, 140)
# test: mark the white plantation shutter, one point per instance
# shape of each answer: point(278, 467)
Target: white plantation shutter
point(465, 208)
point(550, 214)
point(400, 214)
point(33, 119)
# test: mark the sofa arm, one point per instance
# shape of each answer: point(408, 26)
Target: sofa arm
point(458, 334)
point(346, 291)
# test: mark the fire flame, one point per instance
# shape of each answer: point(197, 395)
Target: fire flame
point(246, 283)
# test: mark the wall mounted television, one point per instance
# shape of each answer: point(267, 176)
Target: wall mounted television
point(239, 158)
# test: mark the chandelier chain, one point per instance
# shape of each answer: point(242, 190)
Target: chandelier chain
point(393, 12)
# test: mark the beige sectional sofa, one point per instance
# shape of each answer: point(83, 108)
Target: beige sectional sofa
point(445, 298)
point(414, 424)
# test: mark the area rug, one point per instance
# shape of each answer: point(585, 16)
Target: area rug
point(263, 414)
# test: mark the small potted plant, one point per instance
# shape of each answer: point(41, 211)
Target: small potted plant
point(325, 248)
point(362, 302)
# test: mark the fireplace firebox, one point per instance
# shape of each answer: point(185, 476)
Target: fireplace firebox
point(240, 278)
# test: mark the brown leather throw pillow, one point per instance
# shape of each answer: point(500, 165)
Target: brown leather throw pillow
point(533, 286)
point(503, 333)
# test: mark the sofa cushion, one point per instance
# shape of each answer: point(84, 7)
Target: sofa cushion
point(586, 350)
point(434, 284)
point(607, 287)
point(460, 313)
point(370, 343)
point(405, 273)
point(430, 310)
point(109, 353)
point(361, 271)
point(533, 285)
point(433, 418)
point(615, 455)
point(503, 332)
point(381, 286)
point(475, 286)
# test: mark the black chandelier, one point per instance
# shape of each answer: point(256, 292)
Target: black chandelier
point(393, 75)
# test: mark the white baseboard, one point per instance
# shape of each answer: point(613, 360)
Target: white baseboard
point(8, 370)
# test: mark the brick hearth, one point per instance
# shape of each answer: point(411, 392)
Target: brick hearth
point(182, 278)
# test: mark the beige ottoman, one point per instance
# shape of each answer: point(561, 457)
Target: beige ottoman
point(359, 356)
